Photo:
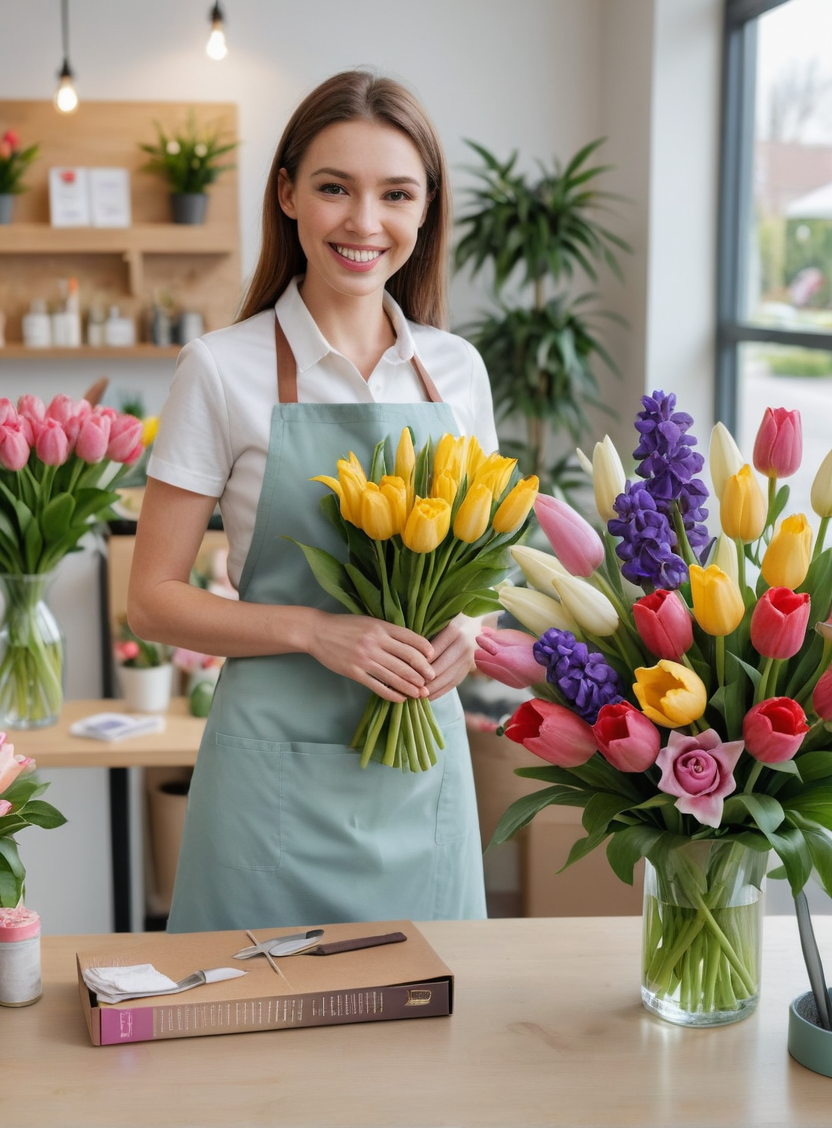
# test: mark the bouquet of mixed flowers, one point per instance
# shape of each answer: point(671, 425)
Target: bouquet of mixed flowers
point(425, 543)
point(13, 163)
point(682, 697)
point(60, 466)
point(19, 807)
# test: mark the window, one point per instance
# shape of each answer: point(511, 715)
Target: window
point(774, 341)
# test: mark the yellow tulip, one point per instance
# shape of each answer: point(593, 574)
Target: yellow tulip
point(473, 516)
point(334, 485)
point(787, 558)
point(427, 524)
point(743, 508)
point(474, 457)
point(449, 457)
point(670, 694)
point(406, 463)
point(353, 482)
point(821, 495)
point(724, 458)
point(377, 519)
point(150, 426)
point(495, 473)
point(395, 490)
point(516, 506)
point(717, 603)
point(445, 485)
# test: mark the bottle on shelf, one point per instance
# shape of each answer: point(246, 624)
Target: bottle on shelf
point(37, 326)
point(119, 331)
point(96, 320)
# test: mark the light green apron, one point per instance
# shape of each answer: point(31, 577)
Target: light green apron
point(283, 826)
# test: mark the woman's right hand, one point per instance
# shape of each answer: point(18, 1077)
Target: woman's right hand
point(392, 661)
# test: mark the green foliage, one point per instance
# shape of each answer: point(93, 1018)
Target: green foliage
point(13, 163)
point(188, 160)
point(26, 810)
point(540, 232)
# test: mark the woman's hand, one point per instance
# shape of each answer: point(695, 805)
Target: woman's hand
point(453, 654)
point(392, 661)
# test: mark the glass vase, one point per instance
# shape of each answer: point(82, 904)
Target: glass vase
point(702, 933)
point(31, 654)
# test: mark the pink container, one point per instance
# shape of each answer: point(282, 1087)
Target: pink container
point(20, 982)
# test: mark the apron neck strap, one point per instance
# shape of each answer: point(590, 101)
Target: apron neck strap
point(287, 372)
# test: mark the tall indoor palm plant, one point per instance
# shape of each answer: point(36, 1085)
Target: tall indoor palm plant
point(538, 232)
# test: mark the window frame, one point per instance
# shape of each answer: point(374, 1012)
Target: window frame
point(739, 77)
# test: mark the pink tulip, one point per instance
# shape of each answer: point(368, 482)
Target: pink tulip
point(8, 412)
point(69, 414)
point(576, 544)
point(125, 439)
point(93, 438)
point(14, 449)
point(126, 651)
point(5, 807)
point(626, 738)
point(32, 412)
point(5, 150)
point(779, 621)
point(554, 733)
point(822, 696)
point(778, 447)
point(10, 765)
point(774, 730)
point(507, 656)
point(700, 771)
point(12, 138)
point(51, 443)
point(664, 624)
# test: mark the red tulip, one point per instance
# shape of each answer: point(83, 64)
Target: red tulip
point(552, 732)
point(774, 730)
point(93, 438)
point(778, 447)
point(822, 696)
point(576, 544)
point(626, 738)
point(51, 443)
point(779, 621)
point(507, 656)
point(12, 137)
point(664, 624)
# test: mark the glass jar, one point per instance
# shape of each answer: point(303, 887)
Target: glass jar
point(20, 982)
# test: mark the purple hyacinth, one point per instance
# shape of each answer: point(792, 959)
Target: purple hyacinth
point(668, 465)
point(647, 540)
point(584, 677)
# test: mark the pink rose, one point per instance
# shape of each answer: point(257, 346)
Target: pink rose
point(700, 770)
point(552, 732)
point(10, 765)
point(507, 656)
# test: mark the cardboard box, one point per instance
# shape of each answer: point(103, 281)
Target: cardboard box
point(404, 980)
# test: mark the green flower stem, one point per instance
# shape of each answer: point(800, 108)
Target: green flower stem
point(741, 565)
point(623, 613)
point(391, 758)
point(682, 542)
point(753, 776)
point(821, 537)
point(765, 670)
point(410, 743)
point(374, 730)
point(809, 688)
point(719, 648)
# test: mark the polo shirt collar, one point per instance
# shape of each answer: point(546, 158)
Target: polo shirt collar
point(308, 343)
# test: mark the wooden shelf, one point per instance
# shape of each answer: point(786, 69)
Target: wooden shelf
point(147, 238)
point(16, 351)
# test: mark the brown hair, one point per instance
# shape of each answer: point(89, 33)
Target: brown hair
point(420, 285)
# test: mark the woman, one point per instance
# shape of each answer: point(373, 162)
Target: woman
point(338, 345)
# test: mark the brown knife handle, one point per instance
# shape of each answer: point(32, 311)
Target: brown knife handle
point(352, 945)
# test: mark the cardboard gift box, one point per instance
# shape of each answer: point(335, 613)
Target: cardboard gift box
point(403, 980)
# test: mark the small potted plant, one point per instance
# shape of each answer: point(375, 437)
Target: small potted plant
point(13, 163)
point(145, 672)
point(189, 160)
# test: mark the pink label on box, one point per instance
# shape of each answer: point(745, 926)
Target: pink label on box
point(126, 1025)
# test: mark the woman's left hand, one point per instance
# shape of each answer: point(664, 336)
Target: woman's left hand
point(453, 654)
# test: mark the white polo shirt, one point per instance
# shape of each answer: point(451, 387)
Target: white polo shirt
point(214, 431)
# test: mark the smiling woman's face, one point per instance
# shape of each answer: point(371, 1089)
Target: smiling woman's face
point(359, 198)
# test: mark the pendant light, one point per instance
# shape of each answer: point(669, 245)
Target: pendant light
point(216, 48)
point(66, 96)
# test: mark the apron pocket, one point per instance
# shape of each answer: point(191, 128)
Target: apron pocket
point(456, 811)
point(239, 786)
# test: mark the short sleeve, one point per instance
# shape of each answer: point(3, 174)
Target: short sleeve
point(192, 449)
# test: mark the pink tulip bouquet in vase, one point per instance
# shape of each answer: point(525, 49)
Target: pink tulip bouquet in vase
point(59, 468)
point(683, 692)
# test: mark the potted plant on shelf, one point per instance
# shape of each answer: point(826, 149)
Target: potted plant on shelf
point(189, 160)
point(13, 163)
point(539, 354)
point(145, 672)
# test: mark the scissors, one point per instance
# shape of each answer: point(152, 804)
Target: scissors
point(281, 945)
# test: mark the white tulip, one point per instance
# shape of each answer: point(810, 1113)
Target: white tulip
point(608, 478)
point(538, 567)
point(536, 611)
point(821, 494)
point(725, 557)
point(589, 607)
point(586, 465)
point(724, 458)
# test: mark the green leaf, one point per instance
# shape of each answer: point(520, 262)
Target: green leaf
point(9, 854)
point(602, 809)
point(39, 813)
point(793, 851)
point(331, 575)
point(367, 591)
point(56, 517)
point(814, 803)
point(820, 849)
point(626, 847)
point(11, 887)
point(522, 811)
point(766, 812)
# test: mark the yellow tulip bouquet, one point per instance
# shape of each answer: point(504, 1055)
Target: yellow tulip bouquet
point(683, 692)
point(424, 543)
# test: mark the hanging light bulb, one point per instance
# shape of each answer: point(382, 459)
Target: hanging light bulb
point(66, 96)
point(216, 48)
